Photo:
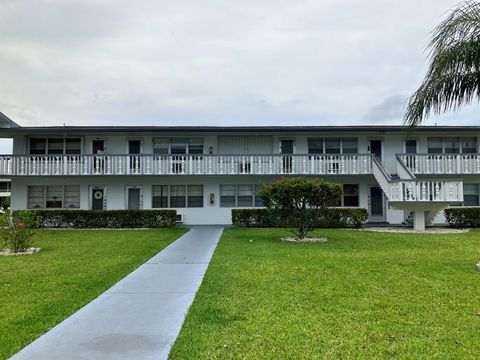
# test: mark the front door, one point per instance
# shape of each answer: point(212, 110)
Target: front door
point(98, 199)
point(133, 198)
point(376, 148)
point(377, 211)
point(287, 149)
point(134, 147)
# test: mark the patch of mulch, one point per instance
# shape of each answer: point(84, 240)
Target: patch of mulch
point(305, 240)
point(29, 251)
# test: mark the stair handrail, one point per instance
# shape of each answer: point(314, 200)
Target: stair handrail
point(404, 172)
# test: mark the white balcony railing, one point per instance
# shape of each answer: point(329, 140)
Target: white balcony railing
point(444, 191)
point(65, 165)
point(442, 164)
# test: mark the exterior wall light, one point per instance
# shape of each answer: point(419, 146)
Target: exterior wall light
point(212, 198)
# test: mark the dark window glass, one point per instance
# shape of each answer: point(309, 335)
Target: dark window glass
point(350, 195)
point(469, 145)
point(54, 196)
point(315, 146)
point(195, 146)
point(177, 196)
point(435, 145)
point(55, 146)
point(411, 146)
point(349, 146)
point(73, 146)
point(227, 195)
point(38, 146)
point(195, 196)
point(452, 145)
point(160, 196)
point(332, 146)
point(178, 146)
point(245, 196)
point(470, 195)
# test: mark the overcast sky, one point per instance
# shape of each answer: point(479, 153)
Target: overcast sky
point(84, 62)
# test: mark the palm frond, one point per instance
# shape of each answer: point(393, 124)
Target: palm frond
point(453, 77)
point(442, 93)
point(463, 24)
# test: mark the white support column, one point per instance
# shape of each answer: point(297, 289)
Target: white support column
point(419, 220)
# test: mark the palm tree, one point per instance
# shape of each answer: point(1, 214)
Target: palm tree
point(453, 77)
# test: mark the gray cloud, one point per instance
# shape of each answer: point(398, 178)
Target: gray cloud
point(390, 109)
point(211, 62)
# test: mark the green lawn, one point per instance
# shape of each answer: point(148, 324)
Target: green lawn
point(362, 295)
point(73, 267)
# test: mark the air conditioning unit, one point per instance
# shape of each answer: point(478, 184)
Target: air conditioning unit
point(179, 218)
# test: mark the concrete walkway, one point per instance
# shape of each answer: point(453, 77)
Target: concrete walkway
point(140, 316)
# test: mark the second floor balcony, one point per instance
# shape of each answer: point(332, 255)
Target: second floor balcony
point(154, 164)
point(442, 164)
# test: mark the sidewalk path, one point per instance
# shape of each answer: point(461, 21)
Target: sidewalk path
point(140, 316)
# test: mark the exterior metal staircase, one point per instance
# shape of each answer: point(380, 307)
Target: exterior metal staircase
point(425, 197)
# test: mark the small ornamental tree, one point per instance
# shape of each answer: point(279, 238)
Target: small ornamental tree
point(298, 201)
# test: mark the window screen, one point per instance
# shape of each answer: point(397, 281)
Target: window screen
point(195, 196)
point(160, 196)
point(469, 145)
point(349, 146)
point(160, 145)
point(470, 195)
point(36, 197)
point(435, 145)
point(177, 196)
point(38, 146)
point(72, 197)
point(245, 196)
point(315, 146)
point(332, 146)
point(227, 195)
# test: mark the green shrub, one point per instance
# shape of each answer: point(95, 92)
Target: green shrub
point(463, 216)
point(327, 218)
point(97, 218)
point(17, 237)
point(5, 203)
point(298, 201)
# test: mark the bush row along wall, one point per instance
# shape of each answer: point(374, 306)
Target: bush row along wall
point(463, 217)
point(329, 218)
point(98, 218)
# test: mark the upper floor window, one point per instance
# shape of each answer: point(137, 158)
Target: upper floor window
point(332, 146)
point(55, 146)
point(177, 146)
point(452, 145)
point(241, 144)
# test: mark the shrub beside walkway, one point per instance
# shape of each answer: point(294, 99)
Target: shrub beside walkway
point(140, 316)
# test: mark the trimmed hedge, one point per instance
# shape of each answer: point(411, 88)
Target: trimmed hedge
point(98, 218)
point(329, 218)
point(463, 216)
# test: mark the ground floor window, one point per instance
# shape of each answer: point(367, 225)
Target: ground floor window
point(350, 195)
point(240, 196)
point(54, 197)
point(177, 196)
point(470, 195)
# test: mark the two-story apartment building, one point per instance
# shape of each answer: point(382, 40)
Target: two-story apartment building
point(203, 172)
